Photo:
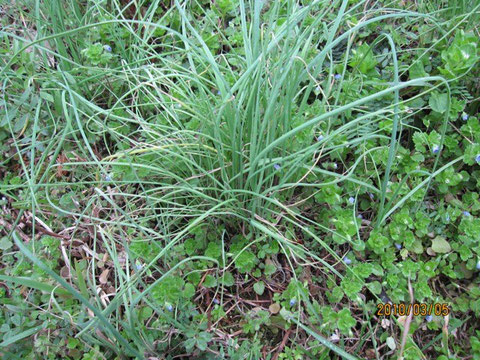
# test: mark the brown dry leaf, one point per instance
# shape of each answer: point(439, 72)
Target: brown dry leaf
point(65, 272)
point(111, 290)
point(274, 308)
point(269, 262)
point(104, 276)
point(449, 197)
point(370, 353)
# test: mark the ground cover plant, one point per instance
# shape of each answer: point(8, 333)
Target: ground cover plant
point(242, 180)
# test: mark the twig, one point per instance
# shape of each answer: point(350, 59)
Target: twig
point(406, 327)
point(44, 228)
point(9, 227)
point(282, 345)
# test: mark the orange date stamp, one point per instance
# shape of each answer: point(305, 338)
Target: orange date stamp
point(417, 309)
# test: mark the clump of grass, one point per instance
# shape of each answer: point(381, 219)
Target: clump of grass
point(176, 135)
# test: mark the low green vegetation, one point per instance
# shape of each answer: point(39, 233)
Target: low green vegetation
point(239, 179)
